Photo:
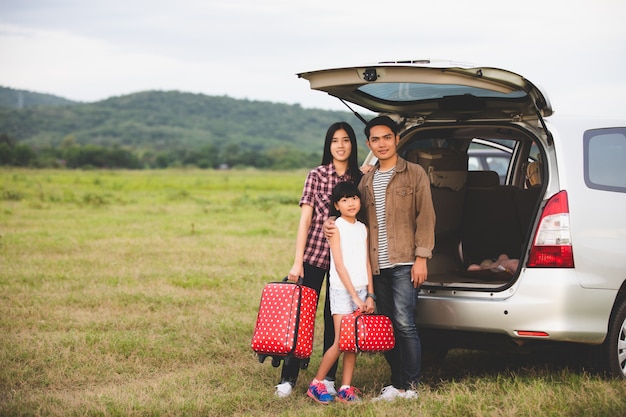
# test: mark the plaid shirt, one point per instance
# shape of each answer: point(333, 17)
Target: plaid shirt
point(317, 192)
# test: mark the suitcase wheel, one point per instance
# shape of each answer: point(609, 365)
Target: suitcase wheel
point(275, 362)
point(304, 363)
point(262, 358)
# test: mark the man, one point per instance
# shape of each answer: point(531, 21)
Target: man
point(398, 209)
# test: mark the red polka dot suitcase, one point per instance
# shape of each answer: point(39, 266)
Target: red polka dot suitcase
point(285, 322)
point(366, 333)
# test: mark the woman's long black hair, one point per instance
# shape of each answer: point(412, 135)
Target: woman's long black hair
point(353, 160)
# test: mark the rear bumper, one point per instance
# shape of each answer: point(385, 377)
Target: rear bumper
point(542, 300)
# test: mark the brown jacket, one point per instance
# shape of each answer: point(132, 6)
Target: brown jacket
point(409, 212)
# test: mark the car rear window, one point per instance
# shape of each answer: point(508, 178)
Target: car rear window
point(604, 159)
point(409, 92)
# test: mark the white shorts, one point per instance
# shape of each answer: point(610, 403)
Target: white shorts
point(341, 301)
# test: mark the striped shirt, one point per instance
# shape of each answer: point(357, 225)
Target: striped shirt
point(379, 186)
point(317, 192)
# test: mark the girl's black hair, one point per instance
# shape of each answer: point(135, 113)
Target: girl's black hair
point(353, 160)
point(341, 190)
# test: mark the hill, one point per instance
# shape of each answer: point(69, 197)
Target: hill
point(158, 121)
point(18, 99)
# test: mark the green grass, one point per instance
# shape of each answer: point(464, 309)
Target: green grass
point(135, 294)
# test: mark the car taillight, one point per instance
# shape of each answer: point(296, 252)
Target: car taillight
point(552, 245)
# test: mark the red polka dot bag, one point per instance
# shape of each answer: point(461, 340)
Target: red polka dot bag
point(285, 322)
point(366, 333)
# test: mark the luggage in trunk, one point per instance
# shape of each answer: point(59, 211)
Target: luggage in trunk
point(447, 172)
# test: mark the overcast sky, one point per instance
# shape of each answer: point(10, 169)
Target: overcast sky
point(92, 50)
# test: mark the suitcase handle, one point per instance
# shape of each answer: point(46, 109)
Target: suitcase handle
point(298, 282)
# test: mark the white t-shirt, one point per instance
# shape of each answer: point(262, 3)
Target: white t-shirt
point(353, 242)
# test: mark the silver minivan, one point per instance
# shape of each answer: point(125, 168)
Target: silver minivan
point(555, 210)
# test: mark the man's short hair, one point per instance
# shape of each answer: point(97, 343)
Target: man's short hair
point(381, 121)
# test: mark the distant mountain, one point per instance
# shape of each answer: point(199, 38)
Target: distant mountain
point(157, 121)
point(19, 99)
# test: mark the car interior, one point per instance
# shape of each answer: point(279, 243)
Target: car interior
point(478, 217)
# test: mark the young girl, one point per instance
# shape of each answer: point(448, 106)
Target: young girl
point(312, 257)
point(351, 287)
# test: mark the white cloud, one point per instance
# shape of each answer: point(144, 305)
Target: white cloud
point(253, 49)
point(80, 68)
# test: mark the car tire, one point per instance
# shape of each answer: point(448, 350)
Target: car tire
point(614, 348)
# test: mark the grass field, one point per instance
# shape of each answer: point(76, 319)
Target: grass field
point(135, 294)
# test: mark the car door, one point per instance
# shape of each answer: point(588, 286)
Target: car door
point(435, 91)
point(596, 212)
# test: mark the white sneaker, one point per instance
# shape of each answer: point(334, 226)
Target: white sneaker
point(283, 390)
point(388, 393)
point(409, 394)
point(330, 387)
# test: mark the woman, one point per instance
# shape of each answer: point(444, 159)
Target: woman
point(312, 259)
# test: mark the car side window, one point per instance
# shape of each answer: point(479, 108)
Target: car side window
point(473, 164)
point(500, 164)
point(605, 159)
point(491, 155)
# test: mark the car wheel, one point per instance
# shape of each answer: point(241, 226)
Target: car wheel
point(614, 348)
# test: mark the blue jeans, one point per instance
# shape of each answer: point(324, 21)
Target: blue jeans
point(396, 298)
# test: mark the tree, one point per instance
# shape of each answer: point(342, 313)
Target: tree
point(23, 155)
